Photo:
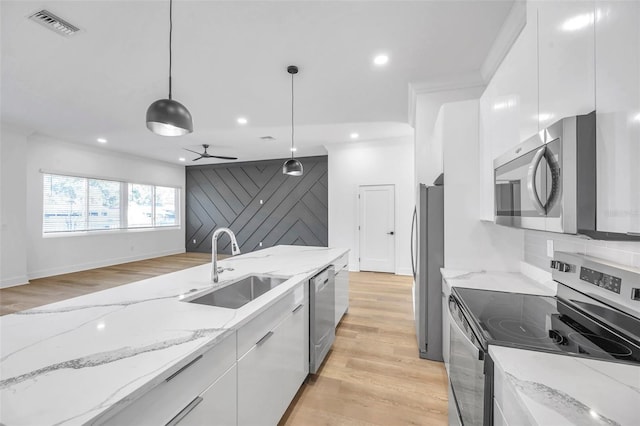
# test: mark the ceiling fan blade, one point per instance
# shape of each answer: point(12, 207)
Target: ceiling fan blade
point(223, 158)
point(196, 159)
point(195, 152)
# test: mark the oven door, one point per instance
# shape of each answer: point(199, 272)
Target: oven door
point(466, 369)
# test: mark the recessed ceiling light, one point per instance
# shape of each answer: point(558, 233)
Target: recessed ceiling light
point(100, 326)
point(381, 60)
point(242, 120)
point(102, 140)
point(294, 149)
point(354, 136)
point(182, 159)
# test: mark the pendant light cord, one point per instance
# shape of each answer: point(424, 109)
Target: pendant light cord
point(170, 32)
point(291, 116)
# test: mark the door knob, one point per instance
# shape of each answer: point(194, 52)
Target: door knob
point(390, 233)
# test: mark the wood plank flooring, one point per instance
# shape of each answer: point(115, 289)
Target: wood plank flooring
point(372, 375)
point(61, 287)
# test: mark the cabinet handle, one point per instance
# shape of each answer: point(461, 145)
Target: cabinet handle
point(264, 338)
point(297, 308)
point(171, 377)
point(185, 411)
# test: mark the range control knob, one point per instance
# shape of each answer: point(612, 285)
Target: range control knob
point(561, 266)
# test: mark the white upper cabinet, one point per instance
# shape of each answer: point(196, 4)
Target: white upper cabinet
point(617, 85)
point(566, 70)
point(509, 106)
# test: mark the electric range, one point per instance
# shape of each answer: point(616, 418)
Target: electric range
point(596, 314)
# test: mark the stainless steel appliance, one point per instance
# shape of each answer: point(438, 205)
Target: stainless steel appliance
point(427, 257)
point(548, 182)
point(322, 332)
point(596, 314)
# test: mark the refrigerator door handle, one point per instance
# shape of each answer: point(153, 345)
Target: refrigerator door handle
point(414, 240)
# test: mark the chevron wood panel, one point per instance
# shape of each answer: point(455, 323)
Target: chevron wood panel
point(294, 210)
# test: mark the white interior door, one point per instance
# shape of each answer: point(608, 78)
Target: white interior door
point(377, 228)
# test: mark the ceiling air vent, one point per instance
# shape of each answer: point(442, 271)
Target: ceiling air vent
point(51, 21)
point(267, 138)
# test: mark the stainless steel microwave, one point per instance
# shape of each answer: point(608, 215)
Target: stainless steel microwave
point(548, 182)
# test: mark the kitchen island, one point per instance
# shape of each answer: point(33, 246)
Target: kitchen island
point(88, 359)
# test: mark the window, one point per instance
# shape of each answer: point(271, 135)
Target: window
point(74, 204)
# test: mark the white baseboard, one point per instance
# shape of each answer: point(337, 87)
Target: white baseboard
point(404, 271)
point(67, 269)
point(14, 281)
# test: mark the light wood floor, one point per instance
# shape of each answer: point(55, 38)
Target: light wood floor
point(372, 375)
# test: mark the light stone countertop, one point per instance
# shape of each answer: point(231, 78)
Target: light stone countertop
point(70, 362)
point(513, 282)
point(553, 389)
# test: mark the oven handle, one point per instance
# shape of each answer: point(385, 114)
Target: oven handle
point(455, 321)
point(531, 180)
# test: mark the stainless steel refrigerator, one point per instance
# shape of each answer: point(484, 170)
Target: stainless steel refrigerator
point(427, 257)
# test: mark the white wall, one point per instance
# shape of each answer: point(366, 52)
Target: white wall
point(13, 224)
point(428, 150)
point(370, 163)
point(469, 243)
point(54, 255)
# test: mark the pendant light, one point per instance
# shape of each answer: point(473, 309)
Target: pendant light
point(167, 117)
point(292, 166)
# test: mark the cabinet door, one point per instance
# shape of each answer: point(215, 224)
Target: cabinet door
point(617, 43)
point(217, 405)
point(259, 375)
point(293, 339)
point(565, 60)
point(509, 107)
point(342, 294)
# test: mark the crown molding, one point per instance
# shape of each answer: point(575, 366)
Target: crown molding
point(509, 32)
point(441, 84)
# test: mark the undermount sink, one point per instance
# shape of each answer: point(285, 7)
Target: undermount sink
point(241, 292)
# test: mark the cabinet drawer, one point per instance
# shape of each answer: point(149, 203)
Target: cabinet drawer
point(257, 328)
point(342, 262)
point(181, 386)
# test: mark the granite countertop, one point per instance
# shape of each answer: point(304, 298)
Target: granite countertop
point(513, 282)
point(71, 361)
point(554, 389)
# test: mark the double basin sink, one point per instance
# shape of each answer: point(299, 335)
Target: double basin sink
point(239, 293)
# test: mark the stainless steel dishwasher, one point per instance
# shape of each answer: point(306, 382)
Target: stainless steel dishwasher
point(322, 301)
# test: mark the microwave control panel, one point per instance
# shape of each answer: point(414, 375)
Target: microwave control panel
point(602, 280)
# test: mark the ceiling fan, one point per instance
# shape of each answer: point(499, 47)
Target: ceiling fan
point(205, 154)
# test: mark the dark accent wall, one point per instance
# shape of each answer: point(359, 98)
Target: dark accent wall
point(294, 209)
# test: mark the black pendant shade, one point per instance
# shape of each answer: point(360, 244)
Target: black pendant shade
point(292, 167)
point(167, 117)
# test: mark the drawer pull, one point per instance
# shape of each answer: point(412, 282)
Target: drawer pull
point(264, 338)
point(171, 377)
point(185, 411)
point(297, 308)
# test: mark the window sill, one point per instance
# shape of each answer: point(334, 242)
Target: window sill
point(109, 231)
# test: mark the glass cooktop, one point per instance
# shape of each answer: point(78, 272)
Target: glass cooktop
point(544, 323)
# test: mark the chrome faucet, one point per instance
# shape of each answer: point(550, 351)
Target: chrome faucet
point(214, 251)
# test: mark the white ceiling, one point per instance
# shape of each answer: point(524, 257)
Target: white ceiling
point(229, 60)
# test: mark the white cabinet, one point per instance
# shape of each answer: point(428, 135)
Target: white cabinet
point(617, 85)
point(182, 386)
point(509, 106)
point(274, 367)
point(342, 286)
point(565, 60)
point(215, 406)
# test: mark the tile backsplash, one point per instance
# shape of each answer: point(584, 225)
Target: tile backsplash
point(535, 248)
